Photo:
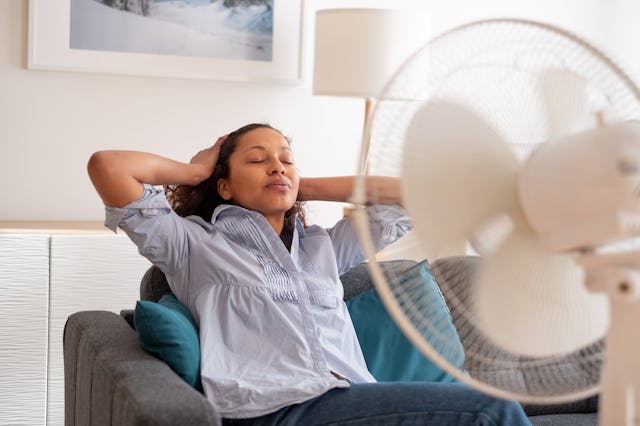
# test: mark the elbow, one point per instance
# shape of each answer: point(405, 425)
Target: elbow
point(99, 163)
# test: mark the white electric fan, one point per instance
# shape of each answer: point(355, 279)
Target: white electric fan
point(519, 141)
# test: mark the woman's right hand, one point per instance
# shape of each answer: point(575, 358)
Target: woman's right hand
point(208, 157)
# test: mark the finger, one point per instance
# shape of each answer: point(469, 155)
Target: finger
point(220, 140)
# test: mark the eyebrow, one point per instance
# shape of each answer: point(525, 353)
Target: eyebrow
point(262, 148)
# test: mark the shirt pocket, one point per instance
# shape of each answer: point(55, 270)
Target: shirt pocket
point(322, 292)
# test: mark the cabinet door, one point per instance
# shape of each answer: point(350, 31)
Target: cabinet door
point(88, 272)
point(24, 301)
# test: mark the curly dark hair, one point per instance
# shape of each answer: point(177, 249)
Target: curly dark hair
point(201, 200)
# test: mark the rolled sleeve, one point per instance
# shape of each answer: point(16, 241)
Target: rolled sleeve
point(157, 231)
point(387, 223)
point(390, 220)
point(151, 203)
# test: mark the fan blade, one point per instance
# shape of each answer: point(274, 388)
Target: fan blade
point(458, 173)
point(534, 303)
point(566, 101)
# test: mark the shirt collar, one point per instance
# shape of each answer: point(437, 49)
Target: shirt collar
point(231, 209)
point(224, 209)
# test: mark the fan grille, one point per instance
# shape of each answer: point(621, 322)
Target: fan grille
point(490, 67)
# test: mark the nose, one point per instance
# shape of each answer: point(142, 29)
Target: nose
point(277, 167)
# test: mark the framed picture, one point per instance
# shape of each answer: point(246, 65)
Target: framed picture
point(241, 40)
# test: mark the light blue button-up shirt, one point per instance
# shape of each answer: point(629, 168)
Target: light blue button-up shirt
point(273, 325)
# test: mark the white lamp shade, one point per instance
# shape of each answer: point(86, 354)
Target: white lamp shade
point(357, 51)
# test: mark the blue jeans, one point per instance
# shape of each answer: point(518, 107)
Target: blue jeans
point(397, 403)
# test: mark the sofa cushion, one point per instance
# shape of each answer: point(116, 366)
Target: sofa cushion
point(389, 355)
point(167, 330)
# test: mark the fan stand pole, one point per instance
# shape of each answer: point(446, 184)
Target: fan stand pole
point(619, 276)
point(359, 194)
point(368, 106)
point(621, 372)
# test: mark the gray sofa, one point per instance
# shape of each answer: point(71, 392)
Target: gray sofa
point(111, 379)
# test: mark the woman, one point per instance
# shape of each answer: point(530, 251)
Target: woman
point(278, 346)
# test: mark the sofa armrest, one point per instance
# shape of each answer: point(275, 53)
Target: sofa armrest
point(111, 379)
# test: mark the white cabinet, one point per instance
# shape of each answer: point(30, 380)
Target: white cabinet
point(43, 279)
point(24, 301)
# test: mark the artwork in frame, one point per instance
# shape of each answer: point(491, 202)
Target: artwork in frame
point(241, 40)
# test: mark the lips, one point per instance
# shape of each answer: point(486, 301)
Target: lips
point(280, 185)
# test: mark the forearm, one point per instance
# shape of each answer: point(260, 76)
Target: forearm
point(118, 175)
point(379, 189)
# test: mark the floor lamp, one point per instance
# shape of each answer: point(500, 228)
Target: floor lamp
point(358, 50)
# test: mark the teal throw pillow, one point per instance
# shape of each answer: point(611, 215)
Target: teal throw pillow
point(390, 356)
point(167, 330)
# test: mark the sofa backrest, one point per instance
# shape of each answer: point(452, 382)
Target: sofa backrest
point(153, 285)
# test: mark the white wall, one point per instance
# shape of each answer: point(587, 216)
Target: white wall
point(50, 122)
point(624, 34)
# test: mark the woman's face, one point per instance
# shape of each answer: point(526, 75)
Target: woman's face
point(262, 174)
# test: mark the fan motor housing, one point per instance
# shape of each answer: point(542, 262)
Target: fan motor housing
point(583, 189)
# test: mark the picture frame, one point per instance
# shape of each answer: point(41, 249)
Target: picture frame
point(49, 49)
